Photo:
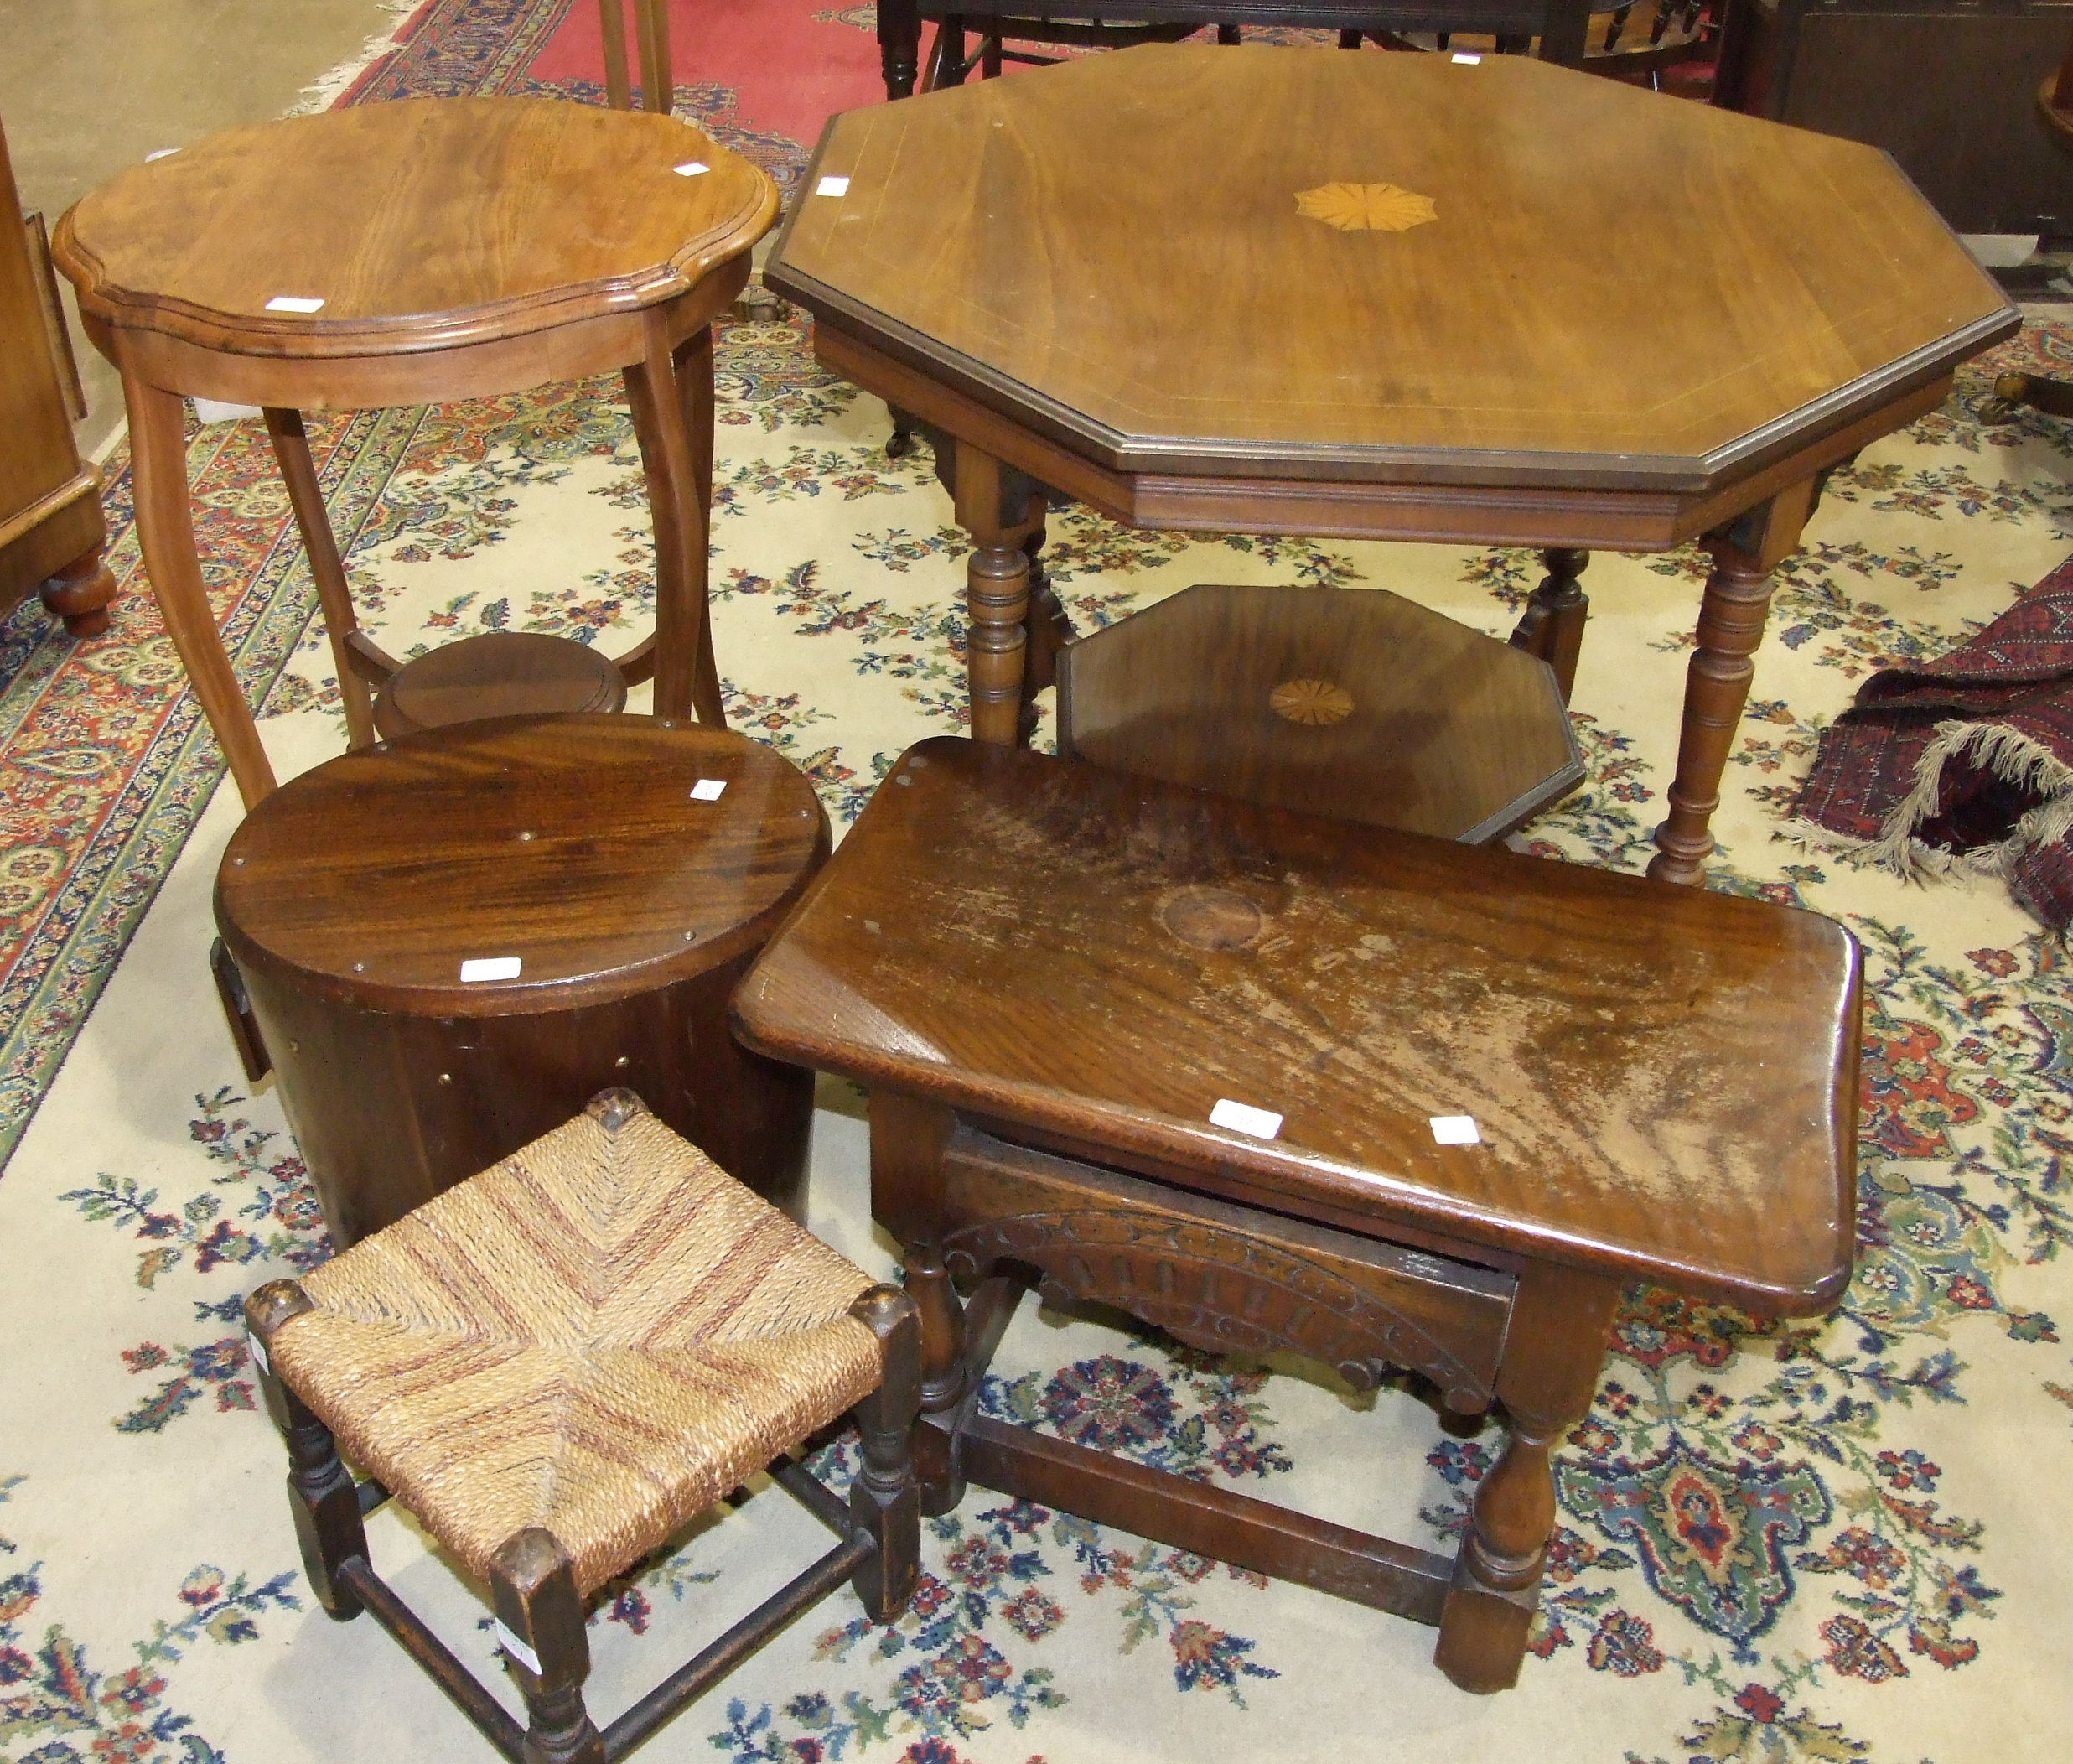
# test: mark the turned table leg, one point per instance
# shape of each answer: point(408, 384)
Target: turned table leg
point(1554, 1346)
point(684, 672)
point(298, 471)
point(165, 526)
point(532, 1588)
point(899, 46)
point(79, 592)
point(1552, 627)
point(1717, 683)
point(994, 504)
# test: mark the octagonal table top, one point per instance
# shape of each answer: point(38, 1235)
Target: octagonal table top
point(1395, 268)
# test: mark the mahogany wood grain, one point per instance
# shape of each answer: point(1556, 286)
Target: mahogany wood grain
point(1663, 1079)
point(1052, 976)
point(423, 224)
point(1355, 701)
point(499, 673)
point(350, 898)
point(458, 247)
point(1145, 314)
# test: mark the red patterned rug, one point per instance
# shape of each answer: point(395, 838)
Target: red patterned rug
point(1967, 759)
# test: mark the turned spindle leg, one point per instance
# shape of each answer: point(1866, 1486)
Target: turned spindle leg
point(883, 1499)
point(533, 1589)
point(899, 46)
point(1555, 1345)
point(1717, 683)
point(322, 1498)
point(942, 1326)
point(1552, 627)
point(993, 503)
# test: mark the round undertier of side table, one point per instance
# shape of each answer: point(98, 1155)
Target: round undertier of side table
point(499, 673)
point(450, 943)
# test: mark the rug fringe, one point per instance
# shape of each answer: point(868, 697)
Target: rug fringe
point(323, 91)
point(2009, 754)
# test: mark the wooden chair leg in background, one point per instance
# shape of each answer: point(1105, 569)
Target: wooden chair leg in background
point(618, 91)
point(658, 76)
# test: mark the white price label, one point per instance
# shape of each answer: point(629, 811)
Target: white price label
point(490, 967)
point(1454, 1130)
point(1263, 1124)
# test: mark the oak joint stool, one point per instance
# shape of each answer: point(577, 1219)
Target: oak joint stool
point(556, 1364)
point(1274, 1082)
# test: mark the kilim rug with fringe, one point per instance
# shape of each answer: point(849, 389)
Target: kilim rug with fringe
point(1842, 1541)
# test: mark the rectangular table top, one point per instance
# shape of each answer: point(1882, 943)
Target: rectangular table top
point(1662, 1082)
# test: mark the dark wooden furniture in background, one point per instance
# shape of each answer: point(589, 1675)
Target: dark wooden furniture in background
point(1943, 85)
point(557, 1365)
point(453, 247)
point(1057, 980)
point(2054, 116)
point(1542, 309)
point(52, 533)
point(1348, 702)
point(1558, 25)
point(1635, 41)
point(578, 847)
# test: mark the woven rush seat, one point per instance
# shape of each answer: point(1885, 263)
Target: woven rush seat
point(602, 1335)
point(557, 1363)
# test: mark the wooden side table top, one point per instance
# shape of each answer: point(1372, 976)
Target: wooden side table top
point(1663, 1079)
point(576, 844)
point(421, 223)
point(1384, 269)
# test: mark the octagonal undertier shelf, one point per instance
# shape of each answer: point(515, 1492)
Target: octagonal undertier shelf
point(1347, 702)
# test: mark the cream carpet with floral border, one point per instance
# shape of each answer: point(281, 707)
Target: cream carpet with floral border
point(1846, 1540)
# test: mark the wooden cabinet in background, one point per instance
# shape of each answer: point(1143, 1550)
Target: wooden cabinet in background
point(1948, 87)
point(52, 533)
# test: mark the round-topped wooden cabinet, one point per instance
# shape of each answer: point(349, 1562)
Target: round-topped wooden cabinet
point(444, 946)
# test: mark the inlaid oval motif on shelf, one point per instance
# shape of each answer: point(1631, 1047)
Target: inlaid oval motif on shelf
point(1382, 208)
point(1313, 703)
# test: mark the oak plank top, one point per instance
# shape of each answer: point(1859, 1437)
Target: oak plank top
point(571, 842)
point(420, 224)
point(1278, 262)
point(1664, 1080)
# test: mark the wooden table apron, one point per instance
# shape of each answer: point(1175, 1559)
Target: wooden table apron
point(1001, 468)
point(664, 353)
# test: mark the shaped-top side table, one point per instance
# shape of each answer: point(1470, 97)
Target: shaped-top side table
point(1293, 291)
point(411, 253)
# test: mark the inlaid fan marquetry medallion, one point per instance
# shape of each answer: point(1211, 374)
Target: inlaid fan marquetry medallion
point(1366, 207)
point(1315, 704)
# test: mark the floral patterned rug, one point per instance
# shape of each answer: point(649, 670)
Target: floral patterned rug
point(1833, 1541)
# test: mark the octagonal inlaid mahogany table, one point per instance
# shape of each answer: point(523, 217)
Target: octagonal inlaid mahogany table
point(1374, 296)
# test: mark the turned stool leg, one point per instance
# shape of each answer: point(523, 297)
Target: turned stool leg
point(882, 1500)
point(321, 1496)
point(533, 1588)
point(1554, 1346)
point(942, 1324)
